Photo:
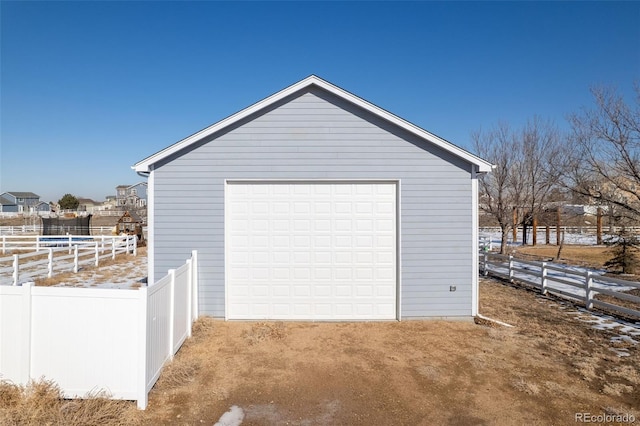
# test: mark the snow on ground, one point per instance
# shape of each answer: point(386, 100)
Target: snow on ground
point(625, 332)
point(573, 274)
point(125, 275)
point(233, 417)
point(569, 238)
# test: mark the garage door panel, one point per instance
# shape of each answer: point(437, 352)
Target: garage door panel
point(281, 291)
point(323, 291)
point(322, 242)
point(239, 310)
point(311, 251)
point(260, 291)
point(282, 310)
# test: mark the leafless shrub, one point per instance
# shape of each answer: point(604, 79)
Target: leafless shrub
point(178, 373)
point(42, 403)
point(10, 394)
point(97, 409)
point(203, 325)
point(262, 331)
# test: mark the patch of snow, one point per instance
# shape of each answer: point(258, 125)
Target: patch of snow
point(233, 417)
point(573, 274)
point(620, 352)
point(625, 332)
point(623, 339)
point(569, 238)
point(128, 275)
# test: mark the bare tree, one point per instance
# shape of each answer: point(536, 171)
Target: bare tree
point(526, 171)
point(498, 195)
point(539, 167)
point(606, 155)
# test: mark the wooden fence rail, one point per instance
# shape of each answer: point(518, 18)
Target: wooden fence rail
point(60, 254)
point(573, 283)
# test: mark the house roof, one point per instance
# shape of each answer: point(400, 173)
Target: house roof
point(137, 184)
point(5, 202)
point(133, 215)
point(131, 186)
point(22, 194)
point(145, 165)
point(87, 201)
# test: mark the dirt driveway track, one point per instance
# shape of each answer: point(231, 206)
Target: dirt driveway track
point(543, 371)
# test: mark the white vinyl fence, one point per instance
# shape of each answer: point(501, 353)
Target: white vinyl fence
point(47, 256)
point(577, 284)
point(88, 339)
point(36, 229)
point(9, 243)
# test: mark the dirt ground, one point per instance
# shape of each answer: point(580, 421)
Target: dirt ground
point(548, 367)
point(551, 365)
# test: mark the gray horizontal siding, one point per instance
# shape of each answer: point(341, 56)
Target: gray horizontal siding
point(318, 136)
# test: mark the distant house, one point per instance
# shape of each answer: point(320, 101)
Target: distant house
point(42, 207)
point(7, 206)
point(131, 196)
point(110, 202)
point(22, 202)
point(130, 223)
point(88, 205)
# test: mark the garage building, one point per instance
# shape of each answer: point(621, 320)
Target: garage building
point(314, 204)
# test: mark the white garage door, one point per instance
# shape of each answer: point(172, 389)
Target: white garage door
point(310, 250)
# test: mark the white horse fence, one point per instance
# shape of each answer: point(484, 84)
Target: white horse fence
point(47, 255)
point(88, 339)
point(574, 283)
point(36, 229)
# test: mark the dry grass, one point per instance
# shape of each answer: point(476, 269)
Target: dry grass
point(588, 256)
point(58, 278)
point(616, 389)
point(261, 331)
point(202, 326)
point(593, 256)
point(523, 385)
point(42, 403)
point(176, 374)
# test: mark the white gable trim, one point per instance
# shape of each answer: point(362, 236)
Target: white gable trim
point(145, 165)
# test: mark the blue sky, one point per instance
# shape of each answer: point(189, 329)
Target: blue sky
point(87, 89)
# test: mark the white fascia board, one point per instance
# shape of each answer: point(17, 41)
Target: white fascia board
point(483, 166)
point(145, 165)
